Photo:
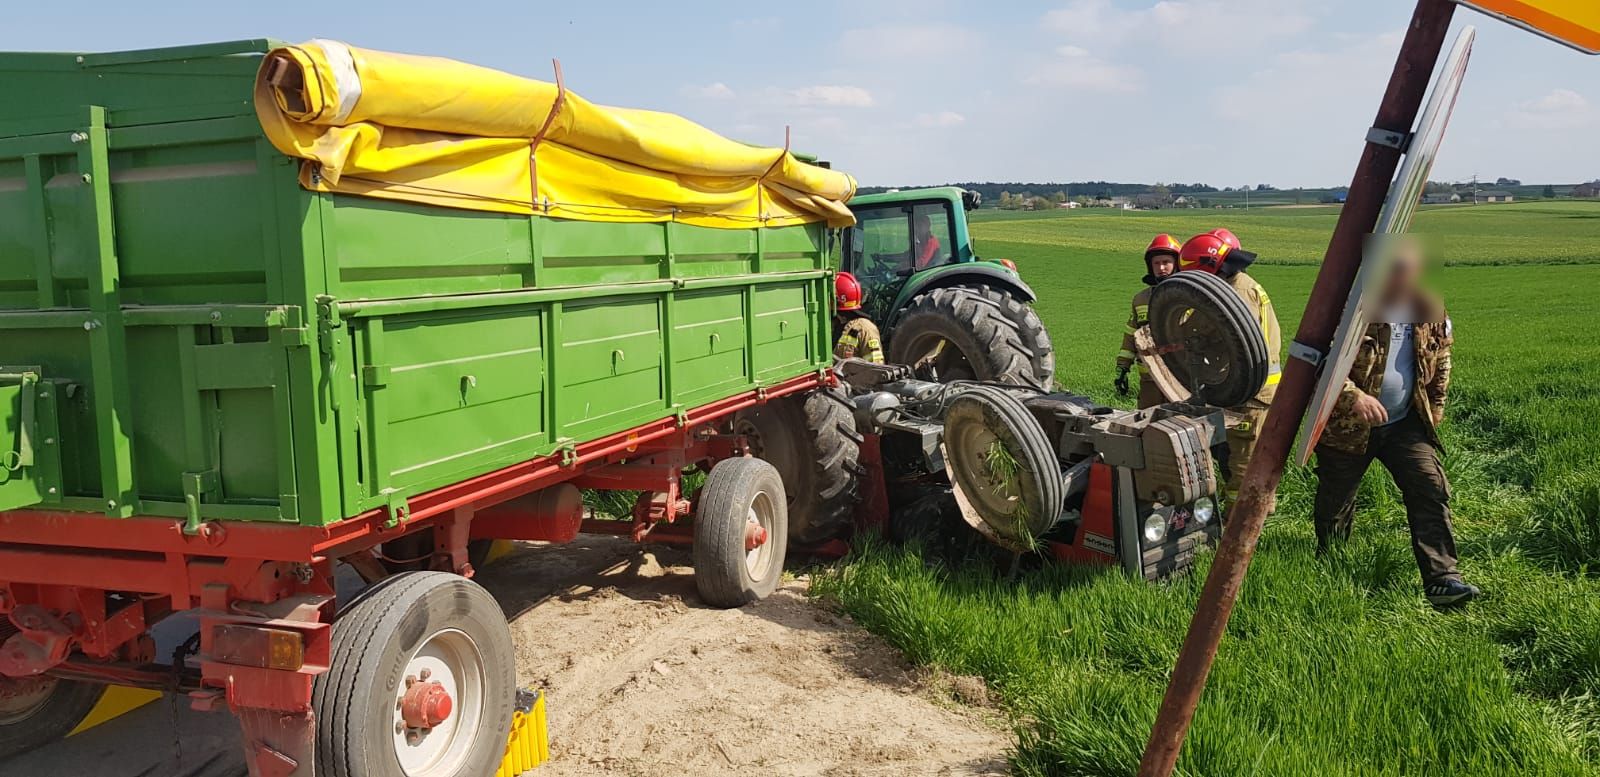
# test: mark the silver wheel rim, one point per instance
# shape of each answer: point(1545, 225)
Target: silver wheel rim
point(450, 658)
point(759, 514)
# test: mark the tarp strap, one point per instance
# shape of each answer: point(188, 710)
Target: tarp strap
point(533, 145)
point(761, 189)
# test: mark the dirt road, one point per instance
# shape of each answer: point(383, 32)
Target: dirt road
point(644, 680)
point(641, 680)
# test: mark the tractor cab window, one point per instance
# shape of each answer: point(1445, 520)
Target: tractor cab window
point(896, 242)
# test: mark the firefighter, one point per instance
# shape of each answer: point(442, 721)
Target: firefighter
point(857, 336)
point(1214, 253)
point(1160, 261)
point(1390, 409)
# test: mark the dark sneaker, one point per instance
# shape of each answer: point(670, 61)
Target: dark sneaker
point(1450, 593)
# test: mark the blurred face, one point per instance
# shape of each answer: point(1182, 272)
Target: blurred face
point(924, 228)
point(1405, 275)
point(1162, 265)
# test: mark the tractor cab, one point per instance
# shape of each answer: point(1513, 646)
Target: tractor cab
point(913, 256)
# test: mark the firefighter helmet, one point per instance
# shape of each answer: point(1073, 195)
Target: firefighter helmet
point(1227, 237)
point(1205, 252)
point(846, 292)
point(1163, 244)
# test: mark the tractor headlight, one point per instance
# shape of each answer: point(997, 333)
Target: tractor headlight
point(1155, 528)
point(1204, 510)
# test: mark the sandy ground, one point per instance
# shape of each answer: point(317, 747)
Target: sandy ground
point(642, 679)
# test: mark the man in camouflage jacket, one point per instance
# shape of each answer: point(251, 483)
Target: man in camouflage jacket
point(1390, 409)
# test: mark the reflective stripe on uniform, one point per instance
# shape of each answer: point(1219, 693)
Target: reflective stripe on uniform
point(1141, 312)
point(1130, 330)
point(1125, 354)
point(848, 340)
point(1272, 379)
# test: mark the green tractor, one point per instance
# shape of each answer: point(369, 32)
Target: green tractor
point(941, 308)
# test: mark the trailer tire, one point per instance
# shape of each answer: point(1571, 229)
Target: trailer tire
point(416, 622)
point(31, 722)
point(1200, 309)
point(813, 443)
point(737, 493)
point(1018, 505)
point(987, 344)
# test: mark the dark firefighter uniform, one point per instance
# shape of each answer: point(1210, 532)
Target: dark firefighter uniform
point(859, 339)
point(1149, 394)
point(1408, 444)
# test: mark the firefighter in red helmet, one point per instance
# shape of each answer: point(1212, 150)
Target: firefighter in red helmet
point(1218, 252)
point(856, 335)
point(1160, 260)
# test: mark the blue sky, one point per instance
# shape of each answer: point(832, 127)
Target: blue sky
point(1227, 92)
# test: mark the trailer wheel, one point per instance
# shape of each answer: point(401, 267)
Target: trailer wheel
point(421, 682)
point(1210, 339)
point(1004, 464)
point(36, 711)
point(740, 533)
point(964, 334)
point(813, 443)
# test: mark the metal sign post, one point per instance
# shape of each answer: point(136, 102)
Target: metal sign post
point(1396, 114)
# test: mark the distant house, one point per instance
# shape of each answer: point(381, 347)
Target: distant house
point(1590, 189)
point(1440, 199)
point(1498, 196)
point(1151, 201)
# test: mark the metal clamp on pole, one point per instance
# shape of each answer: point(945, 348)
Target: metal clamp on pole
point(1395, 139)
point(1305, 353)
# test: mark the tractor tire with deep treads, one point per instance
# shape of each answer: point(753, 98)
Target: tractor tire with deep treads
point(1030, 329)
point(434, 621)
point(1210, 337)
point(740, 495)
point(965, 333)
point(813, 443)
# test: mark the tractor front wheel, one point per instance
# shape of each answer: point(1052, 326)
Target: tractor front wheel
point(973, 333)
point(35, 711)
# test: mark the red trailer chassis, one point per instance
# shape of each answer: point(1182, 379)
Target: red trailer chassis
point(82, 591)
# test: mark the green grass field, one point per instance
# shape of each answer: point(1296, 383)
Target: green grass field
point(1336, 666)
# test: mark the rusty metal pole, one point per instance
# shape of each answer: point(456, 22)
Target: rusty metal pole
point(1408, 85)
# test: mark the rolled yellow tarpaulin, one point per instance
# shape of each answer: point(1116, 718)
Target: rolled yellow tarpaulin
point(433, 130)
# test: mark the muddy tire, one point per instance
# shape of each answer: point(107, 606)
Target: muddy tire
point(741, 497)
point(1004, 464)
point(1218, 350)
point(37, 711)
point(813, 443)
point(969, 333)
point(434, 627)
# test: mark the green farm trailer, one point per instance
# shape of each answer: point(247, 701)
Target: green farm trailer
point(217, 382)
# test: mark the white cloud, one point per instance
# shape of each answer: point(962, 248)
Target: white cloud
point(940, 119)
point(716, 91)
point(831, 95)
point(1076, 69)
point(1561, 109)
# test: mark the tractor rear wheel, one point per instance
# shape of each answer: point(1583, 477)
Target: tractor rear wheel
point(973, 333)
point(813, 443)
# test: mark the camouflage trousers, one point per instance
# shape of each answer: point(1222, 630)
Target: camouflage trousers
point(1406, 451)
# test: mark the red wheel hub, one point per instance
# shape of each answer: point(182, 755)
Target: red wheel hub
point(425, 705)
point(755, 535)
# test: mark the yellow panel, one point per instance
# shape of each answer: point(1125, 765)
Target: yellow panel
point(117, 701)
point(1573, 22)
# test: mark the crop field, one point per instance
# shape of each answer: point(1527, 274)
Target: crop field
point(1332, 666)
